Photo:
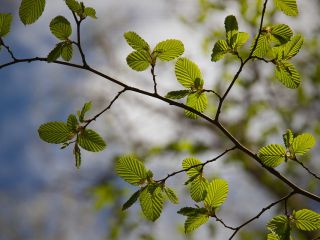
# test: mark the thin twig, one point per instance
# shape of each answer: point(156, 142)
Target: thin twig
point(261, 212)
point(225, 225)
point(78, 42)
point(215, 93)
point(307, 169)
point(8, 49)
point(154, 79)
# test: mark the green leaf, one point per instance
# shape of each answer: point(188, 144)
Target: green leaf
point(138, 60)
point(169, 49)
point(91, 12)
point(151, 203)
point(77, 155)
point(288, 138)
point(131, 200)
point(280, 226)
point(136, 42)
point(190, 211)
point(263, 45)
point(306, 220)
point(31, 10)
point(194, 222)
point(219, 50)
point(60, 27)
point(198, 188)
point(217, 192)
point(287, 74)
point(198, 101)
point(73, 5)
point(91, 141)
point(5, 23)
point(187, 72)
point(272, 155)
point(55, 53)
point(67, 51)
point(288, 7)
point(231, 26)
point(188, 163)
point(177, 94)
point(86, 107)
point(130, 169)
point(72, 123)
point(171, 195)
point(239, 39)
point(282, 33)
point(54, 132)
point(273, 236)
point(303, 143)
point(292, 47)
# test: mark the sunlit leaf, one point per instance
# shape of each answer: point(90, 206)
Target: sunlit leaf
point(198, 188)
point(280, 226)
point(91, 12)
point(187, 163)
point(194, 222)
point(91, 141)
point(306, 220)
point(219, 50)
point(303, 143)
point(60, 27)
point(217, 192)
point(136, 42)
point(288, 7)
point(85, 108)
point(72, 123)
point(263, 45)
point(138, 60)
point(282, 33)
point(5, 23)
point(287, 74)
point(169, 49)
point(31, 10)
point(198, 101)
point(187, 72)
point(171, 195)
point(151, 203)
point(54, 132)
point(288, 138)
point(67, 51)
point(272, 155)
point(239, 39)
point(293, 46)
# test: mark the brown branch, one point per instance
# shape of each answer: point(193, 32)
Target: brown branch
point(154, 79)
point(78, 42)
point(8, 49)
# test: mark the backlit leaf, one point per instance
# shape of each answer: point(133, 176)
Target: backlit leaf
point(303, 143)
point(217, 192)
point(136, 42)
point(138, 60)
point(282, 33)
point(239, 39)
point(187, 163)
point(198, 188)
point(151, 203)
point(31, 10)
point(60, 27)
point(272, 155)
point(263, 45)
point(169, 49)
point(288, 138)
point(5, 23)
point(306, 220)
point(54, 132)
point(85, 108)
point(293, 46)
point(194, 222)
point(288, 7)
point(280, 226)
point(67, 51)
point(198, 101)
point(91, 141)
point(187, 72)
point(72, 123)
point(171, 195)
point(219, 50)
point(130, 169)
point(177, 94)
point(287, 74)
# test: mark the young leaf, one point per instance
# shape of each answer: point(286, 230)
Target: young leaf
point(187, 72)
point(198, 188)
point(263, 45)
point(292, 47)
point(54, 132)
point(91, 12)
point(287, 74)
point(5, 24)
point(31, 10)
point(273, 236)
point(195, 221)
point(231, 26)
point(131, 170)
point(73, 5)
point(169, 49)
point(131, 200)
point(188, 163)
point(139, 60)
point(177, 94)
point(198, 101)
point(303, 143)
point(282, 33)
point(86, 107)
point(288, 7)
point(239, 39)
point(217, 192)
point(190, 211)
point(280, 226)
point(91, 141)
point(306, 220)
point(60, 27)
point(136, 42)
point(219, 50)
point(55, 53)
point(77, 155)
point(72, 123)
point(288, 138)
point(171, 195)
point(272, 155)
point(151, 203)
point(66, 52)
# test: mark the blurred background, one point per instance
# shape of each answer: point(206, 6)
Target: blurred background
point(42, 194)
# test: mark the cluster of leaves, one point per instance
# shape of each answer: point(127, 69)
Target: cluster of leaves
point(281, 226)
point(273, 155)
point(151, 194)
point(73, 131)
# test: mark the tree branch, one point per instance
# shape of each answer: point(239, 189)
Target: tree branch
point(307, 169)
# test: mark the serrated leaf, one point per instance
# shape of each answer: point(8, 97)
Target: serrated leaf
point(239, 39)
point(303, 143)
point(130, 169)
point(73, 5)
point(272, 155)
point(190, 162)
point(72, 123)
point(288, 138)
point(151, 204)
point(138, 60)
point(171, 195)
point(187, 72)
point(306, 220)
point(190, 211)
point(177, 94)
point(280, 226)
point(77, 155)
point(231, 26)
point(287, 74)
point(282, 33)
point(60, 27)
point(194, 222)
point(169, 49)
point(219, 50)
point(85, 108)
point(55, 53)
point(91, 141)
point(273, 236)
point(54, 132)
point(263, 45)
point(198, 188)
point(31, 10)
point(288, 7)
point(217, 192)
point(67, 51)
point(91, 12)
point(198, 101)
point(5, 23)
point(131, 200)
point(136, 42)
point(292, 47)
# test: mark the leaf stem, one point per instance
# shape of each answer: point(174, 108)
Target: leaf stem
point(154, 79)
point(8, 49)
point(78, 42)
